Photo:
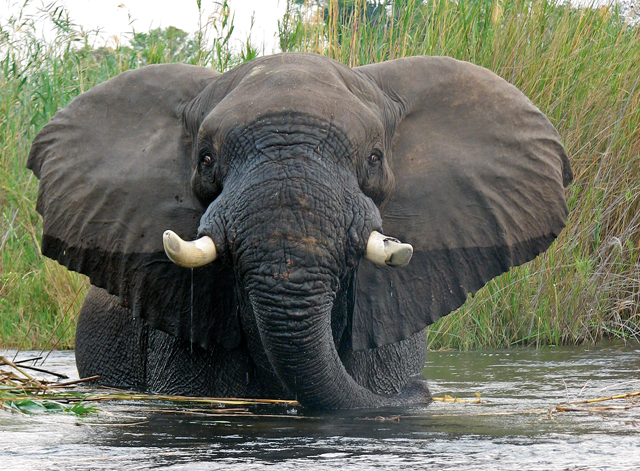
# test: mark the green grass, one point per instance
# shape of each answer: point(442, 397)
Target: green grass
point(39, 299)
point(579, 66)
point(582, 68)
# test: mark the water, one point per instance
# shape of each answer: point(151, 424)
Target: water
point(451, 436)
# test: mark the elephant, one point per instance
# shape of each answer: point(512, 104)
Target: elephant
point(289, 228)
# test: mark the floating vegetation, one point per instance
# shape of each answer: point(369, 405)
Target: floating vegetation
point(22, 393)
point(568, 407)
point(448, 398)
point(590, 406)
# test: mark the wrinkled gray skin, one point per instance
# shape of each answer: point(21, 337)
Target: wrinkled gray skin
point(291, 160)
point(126, 353)
point(296, 210)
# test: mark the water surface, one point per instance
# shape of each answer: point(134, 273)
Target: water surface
point(508, 431)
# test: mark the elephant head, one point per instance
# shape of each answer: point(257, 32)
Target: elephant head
point(288, 168)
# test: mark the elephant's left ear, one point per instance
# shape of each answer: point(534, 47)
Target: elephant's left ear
point(114, 168)
point(480, 175)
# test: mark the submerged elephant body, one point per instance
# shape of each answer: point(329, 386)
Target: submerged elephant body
point(151, 360)
point(288, 164)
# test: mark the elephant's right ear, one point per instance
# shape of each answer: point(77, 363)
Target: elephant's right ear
point(480, 175)
point(114, 169)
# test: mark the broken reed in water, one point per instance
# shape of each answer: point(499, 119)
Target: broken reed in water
point(22, 393)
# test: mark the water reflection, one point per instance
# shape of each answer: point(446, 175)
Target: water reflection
point(494, 435)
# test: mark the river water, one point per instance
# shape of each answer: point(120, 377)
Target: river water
point(509, 430)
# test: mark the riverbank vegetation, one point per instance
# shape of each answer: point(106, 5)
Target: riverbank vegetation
point(580, 66)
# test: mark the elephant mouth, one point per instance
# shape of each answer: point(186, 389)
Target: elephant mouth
point(294, 310)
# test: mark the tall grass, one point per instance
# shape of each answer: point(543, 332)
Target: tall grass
point(39, 299)
point(580, 66)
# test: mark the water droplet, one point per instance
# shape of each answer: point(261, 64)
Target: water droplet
point(191, 319)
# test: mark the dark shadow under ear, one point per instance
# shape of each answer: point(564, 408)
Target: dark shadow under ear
point(480, 175)
point(114, 169)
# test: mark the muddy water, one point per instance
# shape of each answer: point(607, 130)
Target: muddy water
point(507, 432)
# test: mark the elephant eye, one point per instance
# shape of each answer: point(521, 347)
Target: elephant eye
point(374, 158)
point(207, 160)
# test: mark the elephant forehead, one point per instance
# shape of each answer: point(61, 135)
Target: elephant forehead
point(297, 71)
point(295, 88)
point(299, 134)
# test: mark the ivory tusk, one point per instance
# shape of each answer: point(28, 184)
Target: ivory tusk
point(383, 250)
point(194, 254)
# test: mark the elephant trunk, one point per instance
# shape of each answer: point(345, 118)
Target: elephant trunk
point(290, 241)
point(295, 332)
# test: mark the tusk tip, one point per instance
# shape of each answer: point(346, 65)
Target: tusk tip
point(193, 254)
point(171, 242)
point(383, 250)
point(401, 256)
